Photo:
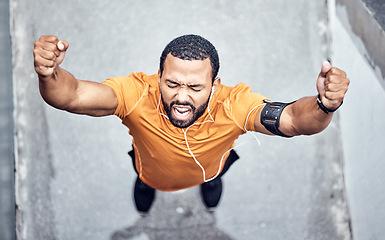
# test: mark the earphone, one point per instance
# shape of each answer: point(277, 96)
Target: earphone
point(211, 95)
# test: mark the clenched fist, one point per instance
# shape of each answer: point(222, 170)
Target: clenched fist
point(48, 53)
point(332, 84)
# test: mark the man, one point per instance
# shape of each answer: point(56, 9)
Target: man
point(183, 120)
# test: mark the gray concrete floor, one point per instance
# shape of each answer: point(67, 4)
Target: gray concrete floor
point(74, 178)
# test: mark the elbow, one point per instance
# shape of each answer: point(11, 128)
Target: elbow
point(310, 128)
point(57, 102)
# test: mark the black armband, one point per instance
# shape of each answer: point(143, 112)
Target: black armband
point(271, 115)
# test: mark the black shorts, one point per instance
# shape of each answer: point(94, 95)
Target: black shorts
point(233, 156)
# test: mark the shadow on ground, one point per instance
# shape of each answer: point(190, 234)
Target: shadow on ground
point(175, 215)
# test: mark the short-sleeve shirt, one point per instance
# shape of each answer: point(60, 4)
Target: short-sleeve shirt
point(169, 158)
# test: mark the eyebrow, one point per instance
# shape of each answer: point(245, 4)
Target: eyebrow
point(171, 81)
point(195, 85)
point(188, 85)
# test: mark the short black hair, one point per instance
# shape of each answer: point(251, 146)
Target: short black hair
point(192, 47)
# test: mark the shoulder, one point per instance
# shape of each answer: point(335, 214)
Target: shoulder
point(241, 90)
point(138, 80)
point(138, 77)
point(143, 77)
point(240, 87)
point(129, 90)
point(241, 105)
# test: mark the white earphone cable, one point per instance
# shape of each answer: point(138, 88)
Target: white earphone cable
point(210, 120)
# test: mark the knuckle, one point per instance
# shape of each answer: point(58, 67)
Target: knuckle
point(37, 58)
point(335, 78)
point(51, 64)
point(38, 69)
point(51, 55)
point(332, 71)
point(54, 39)
point(38, 44)
point(48, 38)
point(336, 70)
point(328, 80)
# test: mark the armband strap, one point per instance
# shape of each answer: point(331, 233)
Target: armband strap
point(271, 115)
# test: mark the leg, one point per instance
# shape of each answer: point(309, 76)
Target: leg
point(144, 195)
point(211, 191)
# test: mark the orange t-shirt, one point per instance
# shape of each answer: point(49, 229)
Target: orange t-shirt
point(170, 158)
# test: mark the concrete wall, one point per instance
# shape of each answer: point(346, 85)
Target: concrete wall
point(358, 47)
point(7, 201)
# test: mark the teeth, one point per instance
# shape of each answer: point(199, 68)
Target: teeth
point(182, 110)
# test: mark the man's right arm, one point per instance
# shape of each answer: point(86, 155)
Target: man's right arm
point(62, 90)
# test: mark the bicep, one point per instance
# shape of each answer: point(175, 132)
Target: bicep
point(94, 99)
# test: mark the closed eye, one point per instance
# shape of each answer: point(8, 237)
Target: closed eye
point(172, 84)
point(195, 89)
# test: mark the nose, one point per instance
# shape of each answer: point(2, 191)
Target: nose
point(183, 94)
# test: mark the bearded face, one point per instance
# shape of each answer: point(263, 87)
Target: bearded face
point(184, 114)
point(185, 87)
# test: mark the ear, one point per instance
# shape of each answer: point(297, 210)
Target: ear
point(216, 84)
point(159, 73)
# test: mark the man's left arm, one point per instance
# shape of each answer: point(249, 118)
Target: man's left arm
point(310, 115)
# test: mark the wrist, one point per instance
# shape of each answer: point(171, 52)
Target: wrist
point(50, 74)
point(322, 106)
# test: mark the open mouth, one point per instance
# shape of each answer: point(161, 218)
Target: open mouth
point(181, 112)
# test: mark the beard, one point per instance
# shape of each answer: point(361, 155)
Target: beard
point(197, 112)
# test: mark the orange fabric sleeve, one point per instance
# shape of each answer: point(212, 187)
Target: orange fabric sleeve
point(128, 90)
point(244, 105)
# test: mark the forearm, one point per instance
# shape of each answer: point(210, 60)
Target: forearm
point(304, 117)
point(58, 89)
point(61, 89)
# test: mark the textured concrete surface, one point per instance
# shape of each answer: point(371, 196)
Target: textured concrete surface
point(366, 30)
point(377, 7)
point(7, 193)
point(74, 178)
point(362, 131)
